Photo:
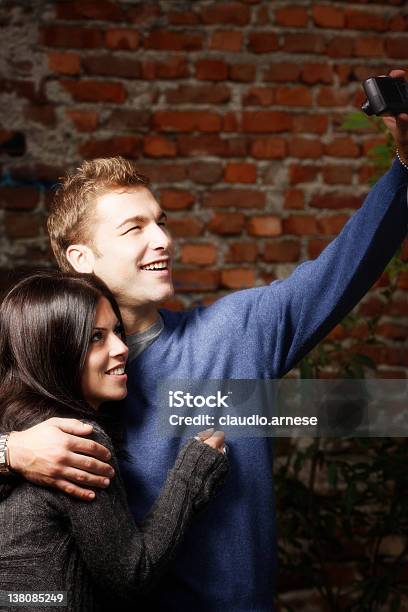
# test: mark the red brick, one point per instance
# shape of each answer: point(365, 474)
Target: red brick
point(242, 72)
point(182, 18)
point(283, 72)
point(64, 63)
point(174, 304)
point(226, 40)
point(316, 246)
point(99, 10)
point(232, 12)
point(268, 148)
point(37, 172)
point(200, 94)
point(237, 278)
point(282, 251)
point(231, 122)
point(342, 147)
point(365, 20)
point(264, 226)
point(227, 224)
point(187, 121)
point(235, 198)
point(84, 121)
point(199, 254)
point(188, 227)
point(293, 96)
point(372, 142)
point(294, 199)
point(328, 16)
point(122, 38)
point(332, 225)
point(396, 47)
point(18, 198)
point(206, 173)
point(21, 225)
point(195, 280)
point(211, 144)
point(338, 174)
point(262, 42)
point(317, 73)
point(128, 146)
point(164, 172)
point(300, 225)
point(176, 199)
point(242, 251)
point(165, 40)
point(392, 331)
point(331, 96)
point(158, 146)
point(41, 113)
point(336, 200)
point(305, 147)
point(302, 174)
point(74, 37)
point(110, 65)
point(344, 73)
point(173, 68)
point(95, 91)
point(369, 46)
point(144, 13)
point(314, 124)
point(266, 121)
point(236, 172)
point(304, 43)
point(128, 120)
point(291, 16)
point(258, 96)
point(340, 46)
point(211, 70)
point(262, 15)
point(398, 23)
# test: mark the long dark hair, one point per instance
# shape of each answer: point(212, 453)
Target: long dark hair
point(46, 323)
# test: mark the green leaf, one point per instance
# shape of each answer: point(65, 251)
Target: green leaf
point(357, 121)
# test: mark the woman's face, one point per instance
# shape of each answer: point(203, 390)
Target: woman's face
point(103, 378)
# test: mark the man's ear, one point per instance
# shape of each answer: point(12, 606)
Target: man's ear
point(81, 258)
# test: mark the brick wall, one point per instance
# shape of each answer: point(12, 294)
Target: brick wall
point(234, 109)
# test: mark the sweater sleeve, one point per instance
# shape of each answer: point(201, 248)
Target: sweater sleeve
point(122, 557)
point(319, 293)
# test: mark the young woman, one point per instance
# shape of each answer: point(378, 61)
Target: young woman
point(62, 353)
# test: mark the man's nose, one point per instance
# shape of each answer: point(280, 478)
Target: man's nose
point(159, 238)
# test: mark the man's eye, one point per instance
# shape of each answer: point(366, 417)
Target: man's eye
point(163, 223)
point(135, 227)
point(97, 336)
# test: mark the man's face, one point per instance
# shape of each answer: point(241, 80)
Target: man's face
point(134, 247)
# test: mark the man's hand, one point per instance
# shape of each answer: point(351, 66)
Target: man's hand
point(398, 126)
point(53, 454)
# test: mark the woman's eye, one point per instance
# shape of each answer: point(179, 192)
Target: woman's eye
point(162, 223)
point(97, 337)
point(119, 330)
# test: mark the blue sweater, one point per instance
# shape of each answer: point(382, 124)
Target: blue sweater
point(228, 560)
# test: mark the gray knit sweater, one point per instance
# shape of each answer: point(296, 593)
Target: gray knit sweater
point(93, 550)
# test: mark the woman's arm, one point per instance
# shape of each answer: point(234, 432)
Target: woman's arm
point(124, 558)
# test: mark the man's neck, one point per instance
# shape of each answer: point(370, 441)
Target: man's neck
point(138, 319)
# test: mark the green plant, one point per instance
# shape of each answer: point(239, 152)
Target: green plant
point(343, 504)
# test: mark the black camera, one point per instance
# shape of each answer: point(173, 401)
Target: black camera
point(385, 96)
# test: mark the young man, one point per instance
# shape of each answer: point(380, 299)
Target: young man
point(107, 222)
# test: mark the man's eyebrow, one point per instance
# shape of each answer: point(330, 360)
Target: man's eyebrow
point(140, 219)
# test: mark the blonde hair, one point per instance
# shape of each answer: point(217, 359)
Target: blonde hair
point(73, 207)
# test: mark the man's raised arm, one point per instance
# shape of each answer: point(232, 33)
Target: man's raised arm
point(54, 453)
